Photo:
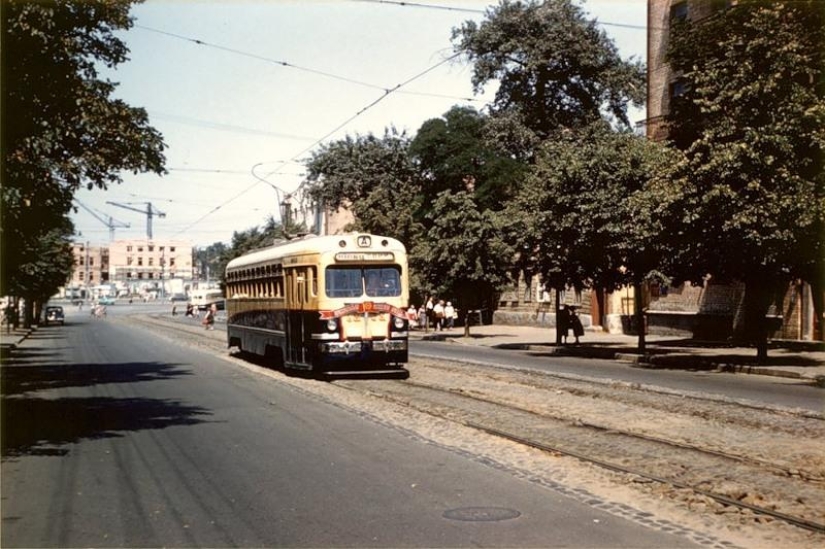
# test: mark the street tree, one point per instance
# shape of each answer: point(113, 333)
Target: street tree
point(44, 269)
point(452, 151)
point(584, 215)
point(465, 255)
point(243, 242)
point(555, 69)
point(62, 128)
point(372, 177)
point(751, 121)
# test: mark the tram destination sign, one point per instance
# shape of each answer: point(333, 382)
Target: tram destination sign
point(364, 256)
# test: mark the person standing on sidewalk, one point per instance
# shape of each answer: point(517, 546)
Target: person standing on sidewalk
point(576, 324)
point(563, 323)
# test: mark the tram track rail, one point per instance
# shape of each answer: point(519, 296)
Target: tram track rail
point(591, 457)
point(792, 497)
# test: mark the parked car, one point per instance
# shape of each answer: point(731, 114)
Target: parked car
point(54, 314)
point(106, 301)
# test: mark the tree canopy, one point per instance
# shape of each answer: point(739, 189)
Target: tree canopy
point(62, 129)
point(555, 68)
point(752, 125)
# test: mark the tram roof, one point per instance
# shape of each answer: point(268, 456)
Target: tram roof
point(315, 244)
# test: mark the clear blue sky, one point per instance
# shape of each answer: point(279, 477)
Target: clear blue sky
point(237, 84)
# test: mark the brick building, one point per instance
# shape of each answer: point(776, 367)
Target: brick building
point(708, 311)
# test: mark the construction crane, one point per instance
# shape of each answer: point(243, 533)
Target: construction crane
point(149, 212)
point(112, 223)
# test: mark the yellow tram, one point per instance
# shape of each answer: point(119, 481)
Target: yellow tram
point(328, 304)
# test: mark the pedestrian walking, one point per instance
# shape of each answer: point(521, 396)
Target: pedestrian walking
point(449, 315)
point(429, 319)
point(438, 314)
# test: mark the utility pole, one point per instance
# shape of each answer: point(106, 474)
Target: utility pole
point(149, 212)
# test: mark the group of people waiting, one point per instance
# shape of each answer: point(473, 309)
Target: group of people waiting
point(435, 314)
point(569, 320)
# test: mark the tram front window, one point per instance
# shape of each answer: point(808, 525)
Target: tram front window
point(355, 281)
point(383, 282)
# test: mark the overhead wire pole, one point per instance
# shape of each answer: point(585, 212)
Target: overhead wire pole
point(284, 204)
point(149, 212)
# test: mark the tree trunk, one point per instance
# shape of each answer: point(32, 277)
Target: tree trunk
point(639, 315)
point(752, 327)
point(556, 308)
point(28, 314)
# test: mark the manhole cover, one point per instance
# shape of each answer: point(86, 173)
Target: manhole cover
point(481, 514)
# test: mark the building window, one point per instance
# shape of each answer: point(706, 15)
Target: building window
point(151, 248)
point(140, 262)
point(678, 87)
point(151, 261)
point(91, 261)
point(128, 248)
point(128, 260)
point(679, 12)
point(160, 248)
point(171, 248)
point(171, 261)
point(140, 248)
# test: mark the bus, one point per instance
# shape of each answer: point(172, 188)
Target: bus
point(330, 305)
point(204, 299)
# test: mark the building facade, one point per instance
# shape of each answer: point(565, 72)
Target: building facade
point(141, 261)
point(91, 265)
point(135, 266)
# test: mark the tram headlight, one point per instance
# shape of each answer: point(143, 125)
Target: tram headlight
point(332, 324)
point(399, 322)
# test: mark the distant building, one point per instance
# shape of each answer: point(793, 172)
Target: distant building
point(136, 265)
point(91, 265)
point(138, 261)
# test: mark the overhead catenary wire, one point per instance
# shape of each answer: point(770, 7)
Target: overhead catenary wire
point(292, 65)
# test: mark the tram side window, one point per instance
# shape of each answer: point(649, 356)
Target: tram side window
point(383, 281)
point(343, 281)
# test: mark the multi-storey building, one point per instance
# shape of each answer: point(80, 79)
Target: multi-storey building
point(132, 265)
point(140, 261)
point(704, 312)
point(91, 265)
point(662, 82)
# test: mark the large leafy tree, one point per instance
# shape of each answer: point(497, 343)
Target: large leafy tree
point(555, 69)
point(752, 124)
point(585, 213)
point(62, 129)
point(371, 176)
point(452, 151)
point(465, 256)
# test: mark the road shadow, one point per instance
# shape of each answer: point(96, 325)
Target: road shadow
point(39, 426)
point(27, 373)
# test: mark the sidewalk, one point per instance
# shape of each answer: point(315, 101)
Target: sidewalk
point(9, 340)
point(793, 359)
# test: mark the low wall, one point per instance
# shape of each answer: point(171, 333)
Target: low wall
point(532, 318)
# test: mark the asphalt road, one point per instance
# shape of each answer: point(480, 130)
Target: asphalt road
point(754, 389)
point(113, 437)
